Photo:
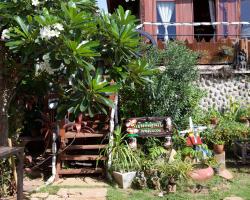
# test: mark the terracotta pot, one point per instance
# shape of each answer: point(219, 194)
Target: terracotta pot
point(218, 148)
point(202, 174)
point(214, 120)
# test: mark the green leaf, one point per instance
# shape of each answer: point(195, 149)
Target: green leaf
point(109, 89)
point(23, 26)
point(105, 101)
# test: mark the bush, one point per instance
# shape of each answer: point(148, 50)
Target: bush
point(172, 91)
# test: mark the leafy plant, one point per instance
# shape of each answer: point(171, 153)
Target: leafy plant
point(122, 158)
point(227, 131)
point(172, 92)
point(177, 169)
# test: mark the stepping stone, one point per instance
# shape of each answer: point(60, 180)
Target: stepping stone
point(233, 198)
point(80, 193)
point(40, 195)
point(224, 173)
point(55, 197)
point(87, 181)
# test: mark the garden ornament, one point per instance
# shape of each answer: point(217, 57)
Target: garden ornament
point(168, 143)
point(193, 133)
point(171, 185)
point(156, 181)
point(132, 142)
point(141, 180)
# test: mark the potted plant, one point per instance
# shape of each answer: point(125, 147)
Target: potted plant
point(123, 161)
point(214, 116)
point(171, 172)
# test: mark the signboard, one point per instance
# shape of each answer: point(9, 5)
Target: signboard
point(149, 126)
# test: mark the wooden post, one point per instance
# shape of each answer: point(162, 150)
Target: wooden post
point(12, 163)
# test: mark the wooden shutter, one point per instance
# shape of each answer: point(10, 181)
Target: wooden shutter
point(228, 10)
point(148, 14)
point(184, 13)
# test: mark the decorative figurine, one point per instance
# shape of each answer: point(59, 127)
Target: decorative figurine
point(168, 143)
point(171, 185)
point(141, 180)
point(156, 181)
point(132, 142)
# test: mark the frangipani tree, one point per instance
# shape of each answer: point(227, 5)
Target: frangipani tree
point(81, 49)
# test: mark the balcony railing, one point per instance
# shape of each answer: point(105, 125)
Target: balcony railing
point(213, 48)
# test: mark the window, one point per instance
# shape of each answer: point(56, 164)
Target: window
point(245, 17)
point(204, 11)
point(166, 13)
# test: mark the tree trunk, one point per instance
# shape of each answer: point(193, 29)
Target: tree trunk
point(3, 129)
point(3, 102)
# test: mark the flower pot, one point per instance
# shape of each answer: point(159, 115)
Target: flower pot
point(218, 148)
point(202, 173)
point(214, 120)
point(124, 180)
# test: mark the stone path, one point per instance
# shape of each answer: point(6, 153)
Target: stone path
point(70, 189)
point(73, 194)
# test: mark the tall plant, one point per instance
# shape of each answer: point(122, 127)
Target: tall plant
point(83, 50)
point(172, 92)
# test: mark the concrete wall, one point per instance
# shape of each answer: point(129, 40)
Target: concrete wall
point(222, 83)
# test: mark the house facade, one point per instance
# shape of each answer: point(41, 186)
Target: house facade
point(203, 24)
point(222, 15)
point(218, 29)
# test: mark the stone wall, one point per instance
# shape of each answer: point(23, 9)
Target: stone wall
point(222, 83)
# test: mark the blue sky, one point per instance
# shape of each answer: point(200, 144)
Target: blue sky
point(102, 4)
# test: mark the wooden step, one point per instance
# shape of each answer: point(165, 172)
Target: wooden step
point(85, 147)
point(72, 134)
point(81, 171)
point(83, 157)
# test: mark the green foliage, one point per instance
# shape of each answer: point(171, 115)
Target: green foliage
point(123, 159)
point(7, 184)
point(71, 41)
point(177, 169)
point(172, 91)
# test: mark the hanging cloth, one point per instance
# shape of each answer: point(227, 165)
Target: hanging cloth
point(212, 11)
point(165, 10)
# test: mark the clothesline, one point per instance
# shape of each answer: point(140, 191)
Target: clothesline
point(194, 23)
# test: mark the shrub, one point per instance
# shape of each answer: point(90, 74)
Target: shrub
point(172, 92)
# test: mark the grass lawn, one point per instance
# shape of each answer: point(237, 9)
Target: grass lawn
point(217, 189)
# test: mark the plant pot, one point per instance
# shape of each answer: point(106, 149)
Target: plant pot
point(214, 121)
point(218, 148)
point(124, 180)
point(202, 173)
point(245, 120)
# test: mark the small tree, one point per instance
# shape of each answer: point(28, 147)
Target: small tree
point(172, 92)
point(81, 49)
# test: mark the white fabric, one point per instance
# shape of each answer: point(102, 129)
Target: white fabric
point(165, 10)
point(102, 5)
point(212, 11)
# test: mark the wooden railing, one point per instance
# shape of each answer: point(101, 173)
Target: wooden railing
point(223, 51)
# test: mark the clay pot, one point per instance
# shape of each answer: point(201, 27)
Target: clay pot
point(218, 148)
point(245, 120)
point(202, 173)
point(214, 121)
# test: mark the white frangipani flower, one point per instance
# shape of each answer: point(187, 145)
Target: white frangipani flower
point(5, 34)
point(44, 65)
point(58, 26)
point(35, 2)
point(49, 32)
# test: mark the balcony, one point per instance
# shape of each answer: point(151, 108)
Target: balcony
point(213, 49)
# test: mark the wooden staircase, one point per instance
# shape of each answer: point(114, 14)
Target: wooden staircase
point(80, 146)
